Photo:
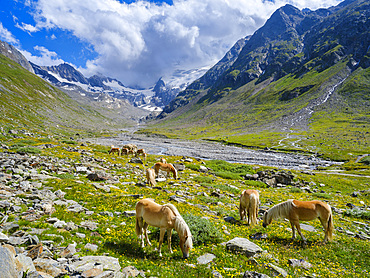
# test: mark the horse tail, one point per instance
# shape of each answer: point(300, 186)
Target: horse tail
point(175, 172)
point(330, 226)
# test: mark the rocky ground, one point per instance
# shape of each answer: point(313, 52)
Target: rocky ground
point(211, 150)
point(24, 196)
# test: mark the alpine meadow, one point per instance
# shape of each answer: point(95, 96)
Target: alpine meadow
point(259, 166)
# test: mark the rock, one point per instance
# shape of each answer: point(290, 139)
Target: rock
point(243, 245)
point(35, 251)
point(230, 219)
point(89, 225)
point(277, 271)
point(7, 264)
point(258, 236)
point(96, 177)
point(253, 274)
point(3, 238)
point(25, 263)
point(203, 169)
point(136, 160)
point(108, 263)
point(129, 213)
point(91, 247)
point(299, 263)
point(69, 251)
point(216, 274)
point(130, 271)
point(49, 266)
point(206, 258)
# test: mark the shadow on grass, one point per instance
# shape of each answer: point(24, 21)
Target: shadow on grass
point(133, 250)
point(297, 242)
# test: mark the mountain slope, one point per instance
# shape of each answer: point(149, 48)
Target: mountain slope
point(27, 101)
point(292, 71)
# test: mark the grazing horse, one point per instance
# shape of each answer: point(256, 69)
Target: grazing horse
point(141, 152)
point(249, 201)
point(166, 167)
point(150, 177)
point(165, 217)
point(114, 150)
point(131, 148)
point(295, 211)
point(124, 151)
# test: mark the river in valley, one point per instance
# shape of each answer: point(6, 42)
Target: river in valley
point(206, 150)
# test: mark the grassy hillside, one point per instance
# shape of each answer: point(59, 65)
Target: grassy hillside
point(302, 113)
point(27, 102)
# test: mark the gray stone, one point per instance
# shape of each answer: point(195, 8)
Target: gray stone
point(3, 238)
point(25, 263)
point(92, 226)
point(299, 263)
point(243, 245)
point(49, 266)
point(277, 271)
point(206, 258)
point(7, 264)
point(253, 274)
point(91, 247)
point(108, 263)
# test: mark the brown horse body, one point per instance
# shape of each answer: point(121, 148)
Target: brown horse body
point(141, 152)
point(166, 167)
point(114, 150)
point(249, 202)
point(166, 218)
point(296, 211)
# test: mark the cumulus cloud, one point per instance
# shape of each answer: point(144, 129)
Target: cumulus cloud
point(7, 36)
point(46, 57)
point(140, 42)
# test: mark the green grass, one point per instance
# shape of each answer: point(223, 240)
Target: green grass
point(345, 256)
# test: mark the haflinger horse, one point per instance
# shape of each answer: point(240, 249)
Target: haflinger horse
point(166, 167)
point(165, 217)
point(132, 148)
point(114, 150)
point(150, 177)
point(295, 211)
point(249, 201)
point(141, 152)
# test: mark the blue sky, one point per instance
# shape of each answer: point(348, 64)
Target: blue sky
point(136, 42)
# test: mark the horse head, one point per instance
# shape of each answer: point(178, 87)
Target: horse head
point(266, 219)
point(186, 244)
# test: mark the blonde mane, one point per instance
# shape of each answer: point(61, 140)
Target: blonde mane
point(280, 210)
point(180, 226)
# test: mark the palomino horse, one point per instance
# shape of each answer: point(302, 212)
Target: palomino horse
point(249, 201)
point(166, 167)
point(131, 148)
point(165, 217)
point(295, 211)
point(141, 152)
point(124, 151)
point(150, 177)
point(114, 150)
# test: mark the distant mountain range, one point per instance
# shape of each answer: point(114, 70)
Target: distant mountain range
point(283, 73)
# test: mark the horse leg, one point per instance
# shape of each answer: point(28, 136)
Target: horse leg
point(293, 230)
point(241, 212)
point(161, 236)
point(296, 223)
point(169, 234)
point(324, 223)
point(146, 234)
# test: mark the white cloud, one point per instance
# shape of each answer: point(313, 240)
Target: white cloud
point(7, 36)
point(27, 27)
point(46, 57)
point(140, 42)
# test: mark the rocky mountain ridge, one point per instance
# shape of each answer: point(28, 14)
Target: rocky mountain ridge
point(292, 42)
